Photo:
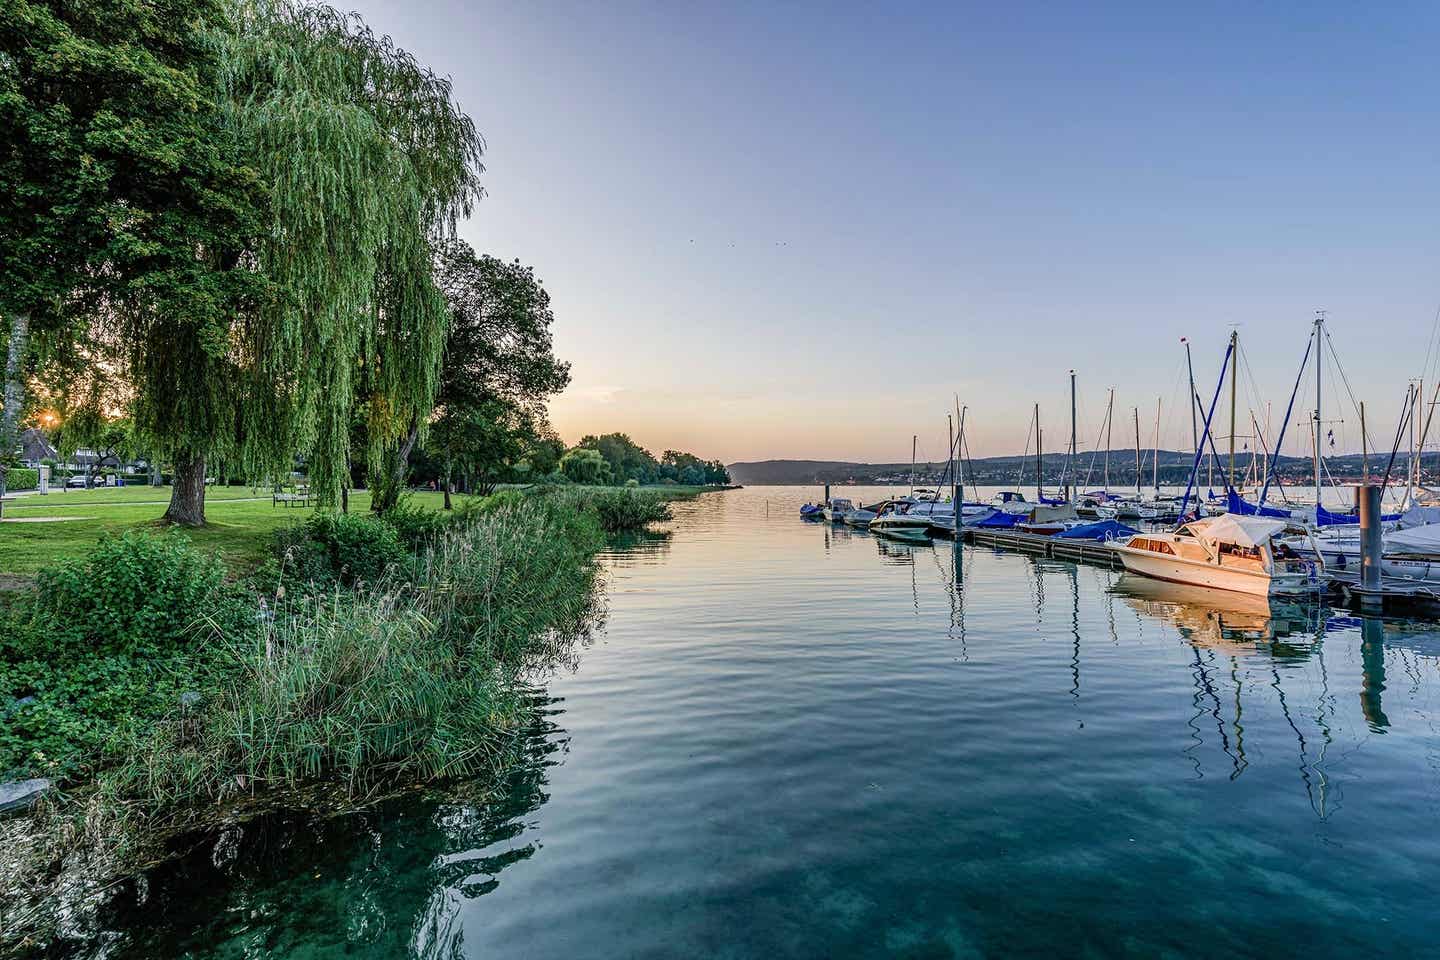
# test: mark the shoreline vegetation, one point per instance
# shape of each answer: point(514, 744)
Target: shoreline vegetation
point(366, 655)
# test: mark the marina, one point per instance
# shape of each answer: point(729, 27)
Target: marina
point(846, 746)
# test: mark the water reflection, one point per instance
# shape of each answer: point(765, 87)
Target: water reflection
point(1220, 619)
point(392, 880)
point(789, 751)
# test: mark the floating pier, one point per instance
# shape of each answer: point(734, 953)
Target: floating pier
point(1086, 551)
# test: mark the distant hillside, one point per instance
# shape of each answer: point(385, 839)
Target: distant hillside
point(992, 471)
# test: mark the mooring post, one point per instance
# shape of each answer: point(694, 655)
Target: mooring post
point(1372, 544)
point(827, 495)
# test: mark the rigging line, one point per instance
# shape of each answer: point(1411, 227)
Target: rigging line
point(1025, 457)
point(1399, 433)
point(1434, 342)
point(1257, 402)
point(1340, 368)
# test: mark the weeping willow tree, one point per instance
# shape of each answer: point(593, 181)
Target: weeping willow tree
point(363, 161)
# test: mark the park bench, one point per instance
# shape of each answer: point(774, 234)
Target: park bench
point(299, 497)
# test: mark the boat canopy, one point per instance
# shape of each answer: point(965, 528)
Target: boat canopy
point(1419, 516)
point(1424, 540)
point(1233, 529)
point(1103, 530)
point(1237, 505)
point(1325, 518)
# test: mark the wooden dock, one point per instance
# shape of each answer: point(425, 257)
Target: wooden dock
point(1084, 551)
point(1394, 593)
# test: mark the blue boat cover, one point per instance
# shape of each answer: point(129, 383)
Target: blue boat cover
point(1325, 518)
point(1000, 519)
point(1103, 530)
point(1245, 509)
point(1054, 502)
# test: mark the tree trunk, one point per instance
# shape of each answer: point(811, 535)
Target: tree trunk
point(445, 484)
point(14, 395)
point(345, 494)
point(387, 492)
point(187, 494)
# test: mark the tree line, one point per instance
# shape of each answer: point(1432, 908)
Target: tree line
point(231, 225)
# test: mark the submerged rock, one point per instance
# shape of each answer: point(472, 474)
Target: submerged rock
point(20, 795)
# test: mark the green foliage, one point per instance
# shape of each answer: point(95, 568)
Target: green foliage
point(690, 469)
point(626, 458)
point(583, 465)
point(367, 162)
point(22, 478)
point(106, 643)
point(515, 577)
point(416, 527)
point(343, 548)
point(616, 511)
point(417, 676)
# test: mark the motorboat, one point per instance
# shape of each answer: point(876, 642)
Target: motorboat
point(1011, 501)
point(1161, 508)
point(837, 509)
point(971, 514)
point(1126, 508)
point(861, 516)
point(1226, 553)
point(1089, 505)
point(812, 511)
point(1047, 521)
point(896, 521)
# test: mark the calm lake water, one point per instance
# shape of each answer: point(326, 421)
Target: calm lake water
point(790, 740)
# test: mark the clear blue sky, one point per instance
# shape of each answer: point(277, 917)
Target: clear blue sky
point(798, 230)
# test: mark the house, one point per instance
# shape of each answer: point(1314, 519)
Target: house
point(36, 448)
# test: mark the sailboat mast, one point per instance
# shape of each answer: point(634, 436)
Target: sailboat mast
point(959, 466)
point(1234, 357)
point(1039, 463)
point(1364, 447)
point(950, 435)
point(914, 438)
point(1194, 401)
point(1319, 365)
point(1155, 454)
point(1139, 470)
point(1109, 417)
point(1070, 468)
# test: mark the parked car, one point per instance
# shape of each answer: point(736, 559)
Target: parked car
point(76, 480)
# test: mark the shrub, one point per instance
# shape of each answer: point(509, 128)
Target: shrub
point(338, 548)
point(516, 577)
point(632, 483)
point(22, 478)
point(106, 644)
point(414, 676)
point(357, 687)
point(135, 594)
point(415, 526)
point(616, 510)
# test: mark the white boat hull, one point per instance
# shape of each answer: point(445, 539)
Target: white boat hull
point(902, 528)
point(1177, 569)
point(1346, 556)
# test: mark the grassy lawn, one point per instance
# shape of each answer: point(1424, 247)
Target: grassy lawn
point(241, 521)
point(238, 527)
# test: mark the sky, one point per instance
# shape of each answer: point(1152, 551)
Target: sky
point(802, 230)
